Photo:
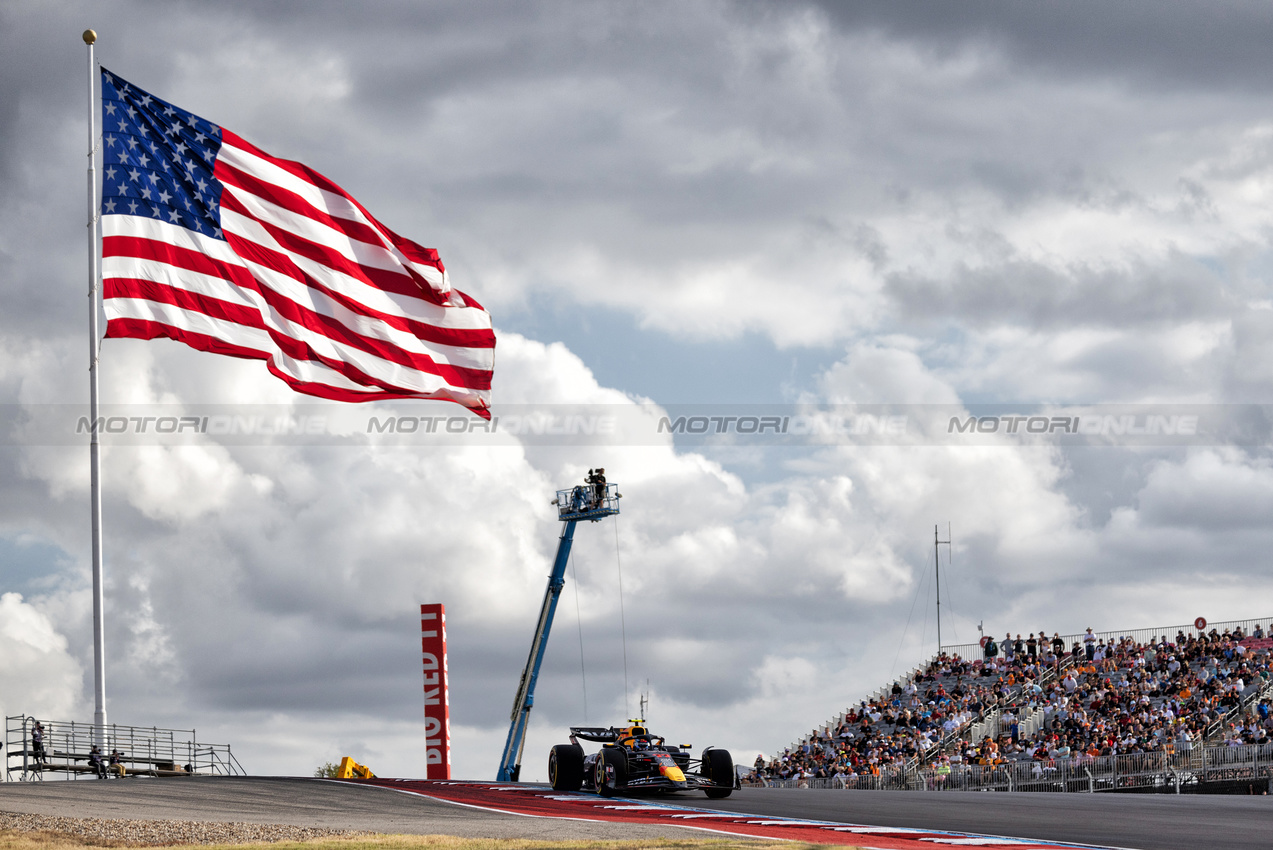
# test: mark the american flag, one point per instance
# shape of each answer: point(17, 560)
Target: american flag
point(210, 241)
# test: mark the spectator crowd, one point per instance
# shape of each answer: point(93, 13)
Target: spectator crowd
point(1039, 700)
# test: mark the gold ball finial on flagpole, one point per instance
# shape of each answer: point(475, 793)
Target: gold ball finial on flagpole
point(89, 36)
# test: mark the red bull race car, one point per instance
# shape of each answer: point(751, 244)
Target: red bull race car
point(633, 761)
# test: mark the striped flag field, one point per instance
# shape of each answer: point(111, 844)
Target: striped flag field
point(210, 241)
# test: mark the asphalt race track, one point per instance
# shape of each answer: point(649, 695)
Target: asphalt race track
point(1142, 822)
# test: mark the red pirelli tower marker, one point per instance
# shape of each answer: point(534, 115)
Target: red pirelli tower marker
point(437, 704)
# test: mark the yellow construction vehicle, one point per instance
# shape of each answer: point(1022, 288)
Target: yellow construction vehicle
point(350, 769)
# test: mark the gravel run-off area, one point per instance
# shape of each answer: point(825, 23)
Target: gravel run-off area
point(162, 832)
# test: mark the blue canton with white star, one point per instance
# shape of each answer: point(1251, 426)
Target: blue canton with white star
point(158, 160)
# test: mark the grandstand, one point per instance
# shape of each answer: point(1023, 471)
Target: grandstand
point(1149, 709)
point(66, 749)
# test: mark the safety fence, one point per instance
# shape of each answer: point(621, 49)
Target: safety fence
point(1182, 769)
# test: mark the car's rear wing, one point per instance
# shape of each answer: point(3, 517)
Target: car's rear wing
point(599, 734)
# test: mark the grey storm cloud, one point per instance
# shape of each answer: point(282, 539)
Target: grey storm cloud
point(1031, 294)
point(1174, 44)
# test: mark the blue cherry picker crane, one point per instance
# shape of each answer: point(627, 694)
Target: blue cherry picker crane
point(593, 500)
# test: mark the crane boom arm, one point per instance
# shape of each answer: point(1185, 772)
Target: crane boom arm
point(510, 765)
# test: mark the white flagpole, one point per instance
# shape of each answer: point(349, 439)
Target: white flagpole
point(95, 464)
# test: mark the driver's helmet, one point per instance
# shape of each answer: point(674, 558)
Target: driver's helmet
point(640, 744)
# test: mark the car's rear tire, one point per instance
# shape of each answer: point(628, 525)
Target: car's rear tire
point(565, 767)
point(612, 772)
point(718, 766)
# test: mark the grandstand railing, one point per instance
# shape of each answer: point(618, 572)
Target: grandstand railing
point(1036, 714)
point(973, 650)
point(1016, 700)
point(987, 727)
point(1167, 771)
point(1216, 728)
point(146, 750)
point(1033, 720)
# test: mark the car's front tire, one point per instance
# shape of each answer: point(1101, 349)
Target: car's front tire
point(611, 772)
point(718, 766)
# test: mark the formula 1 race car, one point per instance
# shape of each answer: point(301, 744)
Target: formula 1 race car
point(631, 761)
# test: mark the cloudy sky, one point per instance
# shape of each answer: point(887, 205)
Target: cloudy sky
point(681, 208)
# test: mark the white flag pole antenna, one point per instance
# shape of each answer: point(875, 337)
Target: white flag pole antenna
point(95, 463)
